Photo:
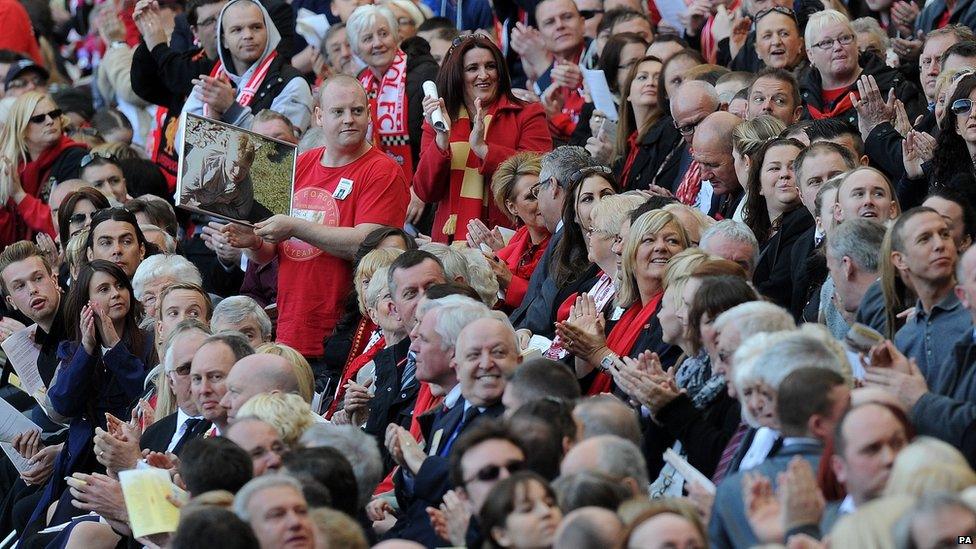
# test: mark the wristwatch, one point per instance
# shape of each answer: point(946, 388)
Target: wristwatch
point(608, 361)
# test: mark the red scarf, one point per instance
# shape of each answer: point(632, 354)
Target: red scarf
point(623, 336)
point(389, 129)
point(631, 158)
point(34, 173)
point(426, 401)
point(843, 105)
point(690, 185)
point(353, 366)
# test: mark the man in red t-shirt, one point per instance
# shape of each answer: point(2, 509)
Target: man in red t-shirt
point(342, 192)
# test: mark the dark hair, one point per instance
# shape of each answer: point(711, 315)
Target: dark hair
point(480, 431)
point(628, 121)
point(437, 291)
point(117, 213)
point(143, 177)
point(501, 501)
point(436, 24)
point(662, 90)
point(619, 15)
point(407, 260)
point(77, 100)
point(780, 75)
point(544, 425)
point(239, 346)
point(802, 394)
point(159, 212)
point(569, 257)
point(377, 235)
point(67, 208)
point(191, 9)
point(610, 57)
point(450, 79)
point(961, 195)
point(21, 250)
point(540, 378)
point(332, 469)
point(655, 202)
point(716, 295)
point(590, 489)
point(108, 119)
point(79, 295)
point(824, 147)
point(951, 147)
point(670, 37)
point(214, 464)
point(827, 129)
point(199, 529)
point(966, 48)
point(10, 56)
point(755, 213)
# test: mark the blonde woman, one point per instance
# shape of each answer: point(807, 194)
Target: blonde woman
point(747, 139)
point(289, 414)
point(34, 153)
point(303, 371)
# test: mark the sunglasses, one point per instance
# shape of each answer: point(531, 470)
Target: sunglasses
point(90, 157)
point(962, 106)
point(79, 218)
point(464, 38)
point(590, 14)
point(776, 9)
point(489, 473)
point(53, 115)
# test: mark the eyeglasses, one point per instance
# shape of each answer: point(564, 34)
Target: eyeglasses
point(828, 44)
point(583, 173)
point(40, 118)
point(590, 14)
point(79, 218)
point(962, 107)
point(90, 157)
point(540, 186)
point(406, 22)
point(489, 473)
point(776, 9)
point(687, 129)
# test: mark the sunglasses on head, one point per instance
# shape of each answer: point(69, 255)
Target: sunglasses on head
point(776, 9)
point(464, 38)
point(962, 106)
point(90, 157)
point(590, 14)
point(53, 115)
point(583, 173)
point(489, 473)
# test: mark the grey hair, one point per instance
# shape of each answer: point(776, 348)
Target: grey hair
point(359, 448)
point(259, 484)
point(164, 266)
point(782, 353)
point(820, 20)
point(735, 231)
point(755, 317)
point(377, 283)
point(607, 415)
point(563, 162)
point(237, 309)
point(235, 340)
point(364, 17)
point(454, 312)
point(480, 276)
point(927, 504)
point(167, 238)
point(184, 327)
point(870, 25)
point(859, 239)
point(622, 458)
point(455, 265)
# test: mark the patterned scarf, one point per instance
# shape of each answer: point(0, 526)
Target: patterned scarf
point(245, 94)
point(695, 375)
point(388, 110)
point(690, 185)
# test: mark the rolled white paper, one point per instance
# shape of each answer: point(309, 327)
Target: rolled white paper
point(437, 118)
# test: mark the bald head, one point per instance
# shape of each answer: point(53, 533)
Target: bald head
point(339, 81)
point(691, 103)
point(255, 374)
point(610, 455)
point(588, 527)
point(398, 544)
point(716, 129)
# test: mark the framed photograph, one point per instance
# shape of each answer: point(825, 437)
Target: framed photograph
point(232, 173)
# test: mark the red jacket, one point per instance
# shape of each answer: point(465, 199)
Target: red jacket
point(514, 256)
point(18, 32)
point(514, 127)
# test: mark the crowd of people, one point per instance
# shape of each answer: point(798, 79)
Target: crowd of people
point(640, 274)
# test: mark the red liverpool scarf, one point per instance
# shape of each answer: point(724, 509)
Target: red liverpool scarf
point(388, 108)
point(623, 336)
point(245, 94)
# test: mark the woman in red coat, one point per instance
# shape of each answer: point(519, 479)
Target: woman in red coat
point(457, 161)
point(513, 188)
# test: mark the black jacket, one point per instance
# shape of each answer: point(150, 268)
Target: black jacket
point(883, 148)
point(421, 67)
point(658, 158)
point(773, 276)
point(164, 76)
point(811, 90)
point(809, 270)
point(391, 403)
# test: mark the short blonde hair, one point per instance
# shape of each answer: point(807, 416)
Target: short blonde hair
point(367, 267)
point(289, 414)
point(648, 223)
point(74, 252)
point(301, 367)
point(338, 529)
point(609, 213)
point(679, 271)
point(507, 175)
point(748, 136)
point(822, 19)
point(925, 460)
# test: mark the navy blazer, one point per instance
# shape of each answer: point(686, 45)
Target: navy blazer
point(729, 528)
point(390, 403)
point(535, 311)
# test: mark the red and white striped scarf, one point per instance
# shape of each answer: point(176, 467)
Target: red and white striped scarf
point(245, 94)
point(388, 109)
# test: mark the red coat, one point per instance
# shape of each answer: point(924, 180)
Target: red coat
point(521, 267)
point(514, 127)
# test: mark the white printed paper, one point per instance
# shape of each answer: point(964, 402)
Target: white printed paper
point(22, 353)
point(686, 470)
point(13, 423)
point(20, 462)
point(596, 84)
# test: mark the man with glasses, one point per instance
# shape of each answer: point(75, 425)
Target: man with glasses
point(692, 102)
point(24, 76)
point(835, 83)
point(103, 172)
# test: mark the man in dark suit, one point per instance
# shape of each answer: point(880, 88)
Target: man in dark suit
point(536, 311)
point(809, 404)
point(396, 385)
point(485, 354)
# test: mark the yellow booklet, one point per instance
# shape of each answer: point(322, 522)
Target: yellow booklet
point(145, 492)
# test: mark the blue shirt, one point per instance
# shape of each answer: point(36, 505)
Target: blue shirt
point(929, 338)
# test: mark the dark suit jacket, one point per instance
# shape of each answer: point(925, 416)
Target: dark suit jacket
point(773, 277)
point(807, 269)
point(883, 147)
point(390, 403)
point(729, 527)
point(658, 158)
point(703, 433)
point(157, 436)
point(535, 311)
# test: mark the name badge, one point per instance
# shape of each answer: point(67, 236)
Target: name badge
point(435, 442)
point(343, 189)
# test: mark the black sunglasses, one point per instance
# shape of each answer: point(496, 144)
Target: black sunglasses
point(776, 9)
point(81, 217)
point(90, 157)
point(489, 473)
point(590, 14)
point(464, 38)
point(40, 118)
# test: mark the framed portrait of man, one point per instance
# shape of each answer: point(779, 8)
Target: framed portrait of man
point(232, 173)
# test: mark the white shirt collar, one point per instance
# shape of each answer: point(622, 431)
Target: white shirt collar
point(452, 396)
